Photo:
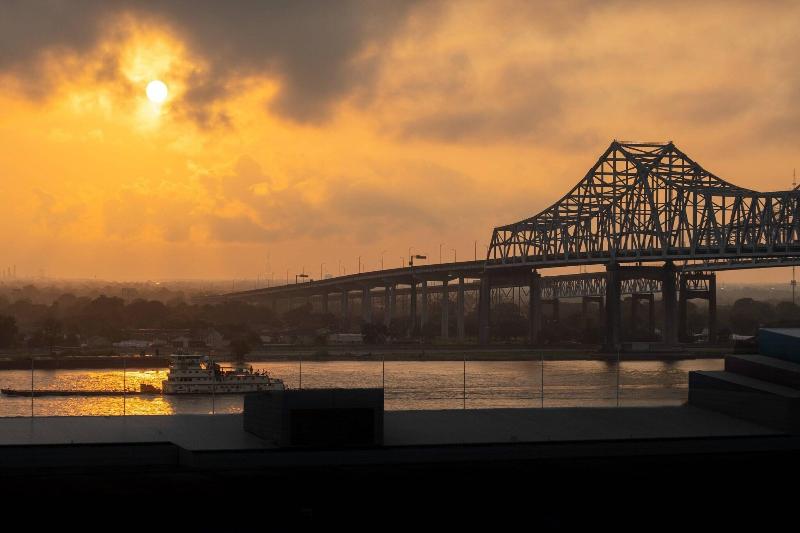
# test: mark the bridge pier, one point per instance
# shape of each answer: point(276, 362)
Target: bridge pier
point(460, 332)
point(423, 307)
point(613, 307)
point(388, 307)
point(534, 308)
point(445, 311)
point(366, 305)
point(712, 309)
point(412, 311)
point(484, 310)
point(668, 295)
point(324, 302)
point(343, 309)
point(709, 293)
point(393, 304)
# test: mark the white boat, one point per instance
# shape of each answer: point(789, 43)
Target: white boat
point(197, 374)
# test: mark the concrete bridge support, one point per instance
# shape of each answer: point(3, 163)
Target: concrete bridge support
point(388, 306)
point(423, 306)
point(324, 302)
point(344, 309)
point(393, 303)
point(445, 311)
point(613, 308)
point(712, 309)
point(668, 295)
point(366, 305)
point(484, 310)
point(534, 308)
point(698, 285)
point(460, 332)
point(412, 312)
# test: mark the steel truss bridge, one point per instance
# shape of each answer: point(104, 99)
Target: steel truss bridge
point(641, 202)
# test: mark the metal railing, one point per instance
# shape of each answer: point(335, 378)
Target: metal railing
point(461, 384)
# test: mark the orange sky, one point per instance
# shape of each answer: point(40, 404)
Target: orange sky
point(295, 136)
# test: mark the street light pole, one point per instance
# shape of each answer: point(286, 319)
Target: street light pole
point(455, 256)
point(440, 252)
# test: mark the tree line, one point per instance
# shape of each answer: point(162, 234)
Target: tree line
point(69, 319)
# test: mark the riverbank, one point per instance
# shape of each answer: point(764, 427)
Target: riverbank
point(373, 353)
point(476, 353)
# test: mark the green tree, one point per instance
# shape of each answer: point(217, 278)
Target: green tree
point(748, 314)
point(8, 331)
point(239, 349)
point(374, 333)
point(51, 332)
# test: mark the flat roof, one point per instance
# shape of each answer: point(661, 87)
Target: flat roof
point(792, 332)
point(401, 428)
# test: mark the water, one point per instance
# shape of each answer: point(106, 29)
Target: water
point(408, 385)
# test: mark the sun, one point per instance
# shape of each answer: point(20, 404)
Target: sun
point(157, 91)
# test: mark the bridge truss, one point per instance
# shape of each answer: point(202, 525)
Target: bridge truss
point(651, 202)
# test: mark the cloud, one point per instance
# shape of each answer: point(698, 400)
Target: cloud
point(242, 204)
point(55, 215)
point(320, 52)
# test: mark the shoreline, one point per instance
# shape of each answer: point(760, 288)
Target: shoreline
point(372, 353)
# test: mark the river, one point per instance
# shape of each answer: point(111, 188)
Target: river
point(408, 385)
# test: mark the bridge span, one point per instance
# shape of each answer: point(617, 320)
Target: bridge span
point(641, 203)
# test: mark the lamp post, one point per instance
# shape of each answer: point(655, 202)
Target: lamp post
point(455, 257)
point(417, 256)
point(359, 264)
point(320, 269)
point(382, 252)
point(440, 252)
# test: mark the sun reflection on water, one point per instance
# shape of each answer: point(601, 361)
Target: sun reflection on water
point(408, 385)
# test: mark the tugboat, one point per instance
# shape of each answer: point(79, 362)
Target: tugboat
point(197, 374)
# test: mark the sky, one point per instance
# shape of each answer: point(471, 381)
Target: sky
point(301, 136)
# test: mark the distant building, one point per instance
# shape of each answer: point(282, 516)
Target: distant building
point(97, 342)
point(345, 338)
point(213, 339)
point(136, 344)
point(188, 343)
